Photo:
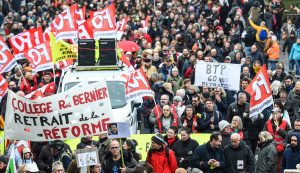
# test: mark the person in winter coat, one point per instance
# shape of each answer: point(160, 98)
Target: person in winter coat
point(29, 83)
point(166, 68)
point(209, 120)
point(220, 99)
point(27, 157)
point(237, 126)
point(130, 146)
point(273, 53)
point(291, 155)
point(288, 44)
point(113, 160)
point(225, 132)
point(184, 149)
point(86, 141)
point(160, 157)
point(267, 157)
point(239, 156)
point(278, 128)
point(190, 120)
point(171, 136)
point(294, 98)
point(166, 120)
point(175, 79)
point(295, 56)
point(209, 157)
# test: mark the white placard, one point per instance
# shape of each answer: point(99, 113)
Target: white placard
point(214, 75)
point(79, 112)
point(118, 130)
point(87, 157)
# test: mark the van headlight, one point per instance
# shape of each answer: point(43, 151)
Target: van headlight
point(129, 119)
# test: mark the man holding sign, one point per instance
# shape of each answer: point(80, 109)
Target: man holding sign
point(113, 160)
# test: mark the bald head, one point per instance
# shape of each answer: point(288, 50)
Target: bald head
point(235, 140)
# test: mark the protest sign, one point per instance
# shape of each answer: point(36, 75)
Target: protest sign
point(118, 130)
point(136, 85)
point(80, 112)
point(214, 75)
point(87, 157)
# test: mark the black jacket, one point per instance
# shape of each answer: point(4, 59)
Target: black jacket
point(109, 165)
point(203, 154)
point(185, 149)
point(242, 155)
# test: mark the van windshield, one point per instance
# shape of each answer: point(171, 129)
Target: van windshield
point(116, 91)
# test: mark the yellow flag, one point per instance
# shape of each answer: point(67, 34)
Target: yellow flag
point(62, 50)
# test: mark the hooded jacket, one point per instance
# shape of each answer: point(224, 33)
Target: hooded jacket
point(295, 52)
point(267, 158)
point(291, 156)
point(239, 159)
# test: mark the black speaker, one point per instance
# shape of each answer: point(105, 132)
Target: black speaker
point(107, 52)
point(86, 52)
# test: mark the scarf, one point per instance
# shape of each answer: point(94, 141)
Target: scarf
point(171, 141)
point(256, 69)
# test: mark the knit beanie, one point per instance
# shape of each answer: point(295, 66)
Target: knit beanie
point(223, 124)
point(158, 138)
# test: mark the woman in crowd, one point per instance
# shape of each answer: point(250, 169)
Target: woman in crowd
point(130, 146)
point(237, 126)
point(171, 136)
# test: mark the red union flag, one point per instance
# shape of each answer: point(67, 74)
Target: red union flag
point(3, 87)
point(103, 22)
point(64, 26)
point(26, 40)
point(84, 31)
point(121, 27)
point(136, 85)
point(261, 93)
point(7, 61)
point(40, 57)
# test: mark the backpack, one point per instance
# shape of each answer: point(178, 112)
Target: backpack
point(263, 35)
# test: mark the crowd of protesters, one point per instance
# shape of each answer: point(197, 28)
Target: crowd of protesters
point(180, 34)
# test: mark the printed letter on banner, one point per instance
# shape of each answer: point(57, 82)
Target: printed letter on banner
point(64, 26)
point(3, 87)
point(121, 27)
point(40, 57)
point(82, 111)
point(7, 61)
point(26, 40)
point(136, 85)
point(102, 23)
point(261, 93)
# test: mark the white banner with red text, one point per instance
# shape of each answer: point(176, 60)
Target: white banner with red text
point(81, 112)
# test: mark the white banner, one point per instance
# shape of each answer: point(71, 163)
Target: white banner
point(83, 111)
point(215, 75)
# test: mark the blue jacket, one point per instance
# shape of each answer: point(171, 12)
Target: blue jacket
point(291, 156)
point(295, 52)
point(203, 154)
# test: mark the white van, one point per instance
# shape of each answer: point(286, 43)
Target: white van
point(122, 111)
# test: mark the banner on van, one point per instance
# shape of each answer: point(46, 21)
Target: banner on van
point(136, 85)
point(83, 111)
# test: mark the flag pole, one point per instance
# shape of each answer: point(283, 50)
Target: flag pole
point(122, 156)
point(18, 65)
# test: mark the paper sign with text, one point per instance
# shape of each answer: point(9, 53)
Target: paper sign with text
point(118, 130)
point(81, 112)
point(214, 75)
point(87, 157)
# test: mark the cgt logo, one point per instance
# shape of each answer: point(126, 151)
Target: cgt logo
point(39, 55)
point(259, 85)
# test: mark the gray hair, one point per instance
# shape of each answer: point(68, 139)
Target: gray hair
point(241, 94)
point(265, 136)
point(240, 126)
point(180, 92)
point(56, 164)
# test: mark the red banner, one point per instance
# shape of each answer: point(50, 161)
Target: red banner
point(136, 85)
point(7, 62)
point(3, 87)
point(121, 25)
point(260, 91)
point(40, 57)
point(84, 31)
point(26, 40)
point(64, 63)
point(64, 26)
point(103, 22)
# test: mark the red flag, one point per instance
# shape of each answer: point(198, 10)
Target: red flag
point(40, 57)
point(136, 85)
point(64, 26)
point(7, 62)
point(3, 87)
point(26, 40)
point(44, 91)
point(121, 25)
point(103, 22)
point(260, 91)
point(84, 32)
point(64, 63)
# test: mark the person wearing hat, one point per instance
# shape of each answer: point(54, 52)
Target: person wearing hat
point(273, 52)
point(27, 157)
point(175, 79)
point(278, 128)
point(161, 158)
point(31, 168)
point(225, 132)
point(130, 146)
point(227, 59)
point(166, 68)
point(147, 67)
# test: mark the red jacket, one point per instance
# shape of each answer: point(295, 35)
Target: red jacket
point(160, 161)
point(26, 87)
point(278, 138)
point(174, 122)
